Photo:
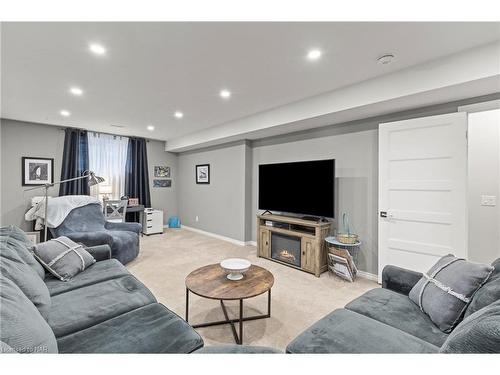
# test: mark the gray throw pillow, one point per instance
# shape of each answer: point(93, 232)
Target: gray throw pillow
point(22, 327)
point(445, 291)
point(63, 257)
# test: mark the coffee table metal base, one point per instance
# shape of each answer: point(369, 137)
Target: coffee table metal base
point(238, 337)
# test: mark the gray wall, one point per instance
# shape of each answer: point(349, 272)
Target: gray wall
point(220, 205)
point(25, 139)
point(163, 198)
point(356, 168)
point(20, 139)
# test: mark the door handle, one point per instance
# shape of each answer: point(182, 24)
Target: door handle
point(386, 214)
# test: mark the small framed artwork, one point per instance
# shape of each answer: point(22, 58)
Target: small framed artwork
point(133, 201)
point(161, 171)
point(162, 183)
point(34, 237)
point(37, 171)
point(203, 174)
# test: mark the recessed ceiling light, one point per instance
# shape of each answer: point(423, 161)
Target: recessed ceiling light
point(314, 54)
point(386, 59)
point(76, 91)
point(226, 94)
point(178, 114)
point(151, 128)
point(97, 49)
point(65, 113)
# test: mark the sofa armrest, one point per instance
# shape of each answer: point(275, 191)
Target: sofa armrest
point(131, 227)
point(399, 279)
point(100, 252)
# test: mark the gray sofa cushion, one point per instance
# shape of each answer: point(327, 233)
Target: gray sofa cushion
point(26, 278)
point(488, 293)
point(63, 257)
point(398, 311)
point(237, 349)
point(478, 333)
point(16, 239)
point(344, 331)
point(149, 329)
point(21, 325)
point(445, 291)
point(100, 271)
point(84, 307)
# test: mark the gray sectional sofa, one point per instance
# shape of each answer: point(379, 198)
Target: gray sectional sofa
point(103, 309)
point(385, 320)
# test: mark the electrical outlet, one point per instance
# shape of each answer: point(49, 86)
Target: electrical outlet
point(488, 200)
point(196, 218)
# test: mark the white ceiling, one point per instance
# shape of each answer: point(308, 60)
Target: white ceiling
point(153, 69)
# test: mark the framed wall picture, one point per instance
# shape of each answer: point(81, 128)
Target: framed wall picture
point(34, 237)
point(203, 174)
point(161, 171)
point(37, 171)
point(162, 183)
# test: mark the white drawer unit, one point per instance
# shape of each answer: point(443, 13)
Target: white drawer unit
point(152, 221)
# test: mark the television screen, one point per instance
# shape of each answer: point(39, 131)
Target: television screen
point(305, 187)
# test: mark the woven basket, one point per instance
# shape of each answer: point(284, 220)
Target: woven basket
point(347, 238)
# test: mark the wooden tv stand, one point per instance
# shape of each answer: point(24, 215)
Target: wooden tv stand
point(312, 236)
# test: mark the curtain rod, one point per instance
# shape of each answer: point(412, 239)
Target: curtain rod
point(115, 135)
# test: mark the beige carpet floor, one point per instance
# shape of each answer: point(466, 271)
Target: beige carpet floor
point(298, 299)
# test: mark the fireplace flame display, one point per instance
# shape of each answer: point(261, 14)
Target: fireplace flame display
point(287, 256)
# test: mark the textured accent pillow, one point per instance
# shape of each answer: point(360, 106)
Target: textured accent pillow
point(445, 291)
point(23, 328)
point(478, 333)
point(63, 257)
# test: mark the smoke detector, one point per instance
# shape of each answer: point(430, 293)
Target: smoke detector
point(385, 59)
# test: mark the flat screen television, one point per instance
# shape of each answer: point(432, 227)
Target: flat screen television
point(305, 188)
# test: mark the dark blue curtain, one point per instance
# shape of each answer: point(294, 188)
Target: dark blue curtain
point(75, 161)
point(136, 171)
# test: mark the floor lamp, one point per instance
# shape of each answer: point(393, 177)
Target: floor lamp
point(93, 180)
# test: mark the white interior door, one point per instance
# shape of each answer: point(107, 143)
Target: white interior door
point(422, 191)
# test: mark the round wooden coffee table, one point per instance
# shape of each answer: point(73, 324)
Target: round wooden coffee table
point(211, 282)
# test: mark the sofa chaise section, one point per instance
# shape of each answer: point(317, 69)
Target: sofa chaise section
point(148, 329)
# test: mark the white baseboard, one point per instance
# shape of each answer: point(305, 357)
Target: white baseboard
point(251, 243)
point(214, 235)
point(367, 275)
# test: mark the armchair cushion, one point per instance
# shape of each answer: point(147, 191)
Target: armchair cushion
point(131, 227)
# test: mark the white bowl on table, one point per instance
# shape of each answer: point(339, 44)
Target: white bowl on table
point(235, 267)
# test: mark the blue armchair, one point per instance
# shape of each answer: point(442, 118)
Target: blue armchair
point(87, 225)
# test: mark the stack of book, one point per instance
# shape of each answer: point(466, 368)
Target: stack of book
point(341, 263)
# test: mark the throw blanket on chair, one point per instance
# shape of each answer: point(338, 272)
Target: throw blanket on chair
point(57, 209)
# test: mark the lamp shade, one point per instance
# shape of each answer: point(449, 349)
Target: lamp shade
point(105, 189)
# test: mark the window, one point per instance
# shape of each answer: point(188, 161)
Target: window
point(107, 158)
